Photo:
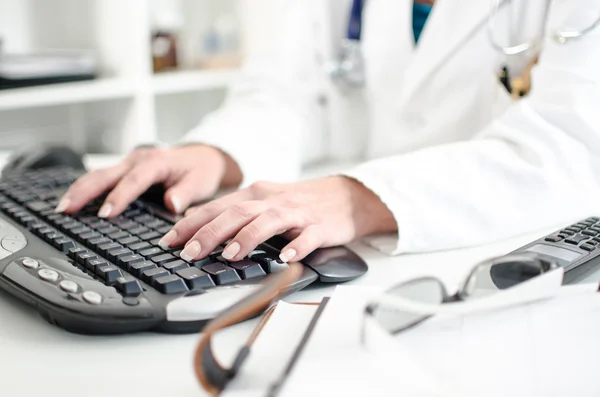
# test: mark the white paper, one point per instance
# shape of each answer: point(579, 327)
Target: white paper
point(272, 350)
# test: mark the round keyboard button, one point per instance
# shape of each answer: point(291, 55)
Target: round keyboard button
point(68, 286)
point(48, 275)
point(91, 297)
point(30, 263)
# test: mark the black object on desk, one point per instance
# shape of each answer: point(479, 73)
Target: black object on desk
point(95, 276)
point(575, 247)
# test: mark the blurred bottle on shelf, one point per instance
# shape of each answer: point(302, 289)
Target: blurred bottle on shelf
point(167, 22)
point(221, 44)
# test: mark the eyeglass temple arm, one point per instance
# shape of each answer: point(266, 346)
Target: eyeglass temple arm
point(213, 376)
point(542, 287)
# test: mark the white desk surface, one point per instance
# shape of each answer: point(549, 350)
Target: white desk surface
point(37, 359)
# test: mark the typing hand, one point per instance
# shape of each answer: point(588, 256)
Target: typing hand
point(189, 173)
point(312, 214)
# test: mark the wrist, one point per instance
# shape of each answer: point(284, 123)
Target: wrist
point(370, 214)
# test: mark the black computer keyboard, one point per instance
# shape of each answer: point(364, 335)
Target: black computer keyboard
point(90, 275)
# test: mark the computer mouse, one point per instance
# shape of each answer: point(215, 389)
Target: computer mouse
point(332, 264)
point(43, 156)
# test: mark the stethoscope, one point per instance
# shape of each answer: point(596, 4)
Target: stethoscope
point(348, 70)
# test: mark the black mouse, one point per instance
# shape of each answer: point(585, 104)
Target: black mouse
point(43, 156)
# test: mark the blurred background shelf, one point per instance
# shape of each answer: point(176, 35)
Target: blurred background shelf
point(65, 93)
point(191, 80)
point(129, 103)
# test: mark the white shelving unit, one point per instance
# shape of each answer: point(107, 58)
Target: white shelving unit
point(128, 104)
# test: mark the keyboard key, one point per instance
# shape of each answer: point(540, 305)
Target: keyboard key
point(128, 260)
point(96, 242)
point(164, 229)
point(203, 262)
point(94, 263)
point(175, 265)
point(248, 269)
point(137, 247)
point(104, 248)
point(150, 235)
point(553, 239)
point(129, 226)
point(567, 232)
point(139, 230)
point(128, 240)
point(171, 284)
point(89, 236)
point(109, 274)
point(64, 244)
point(595, 229)
point(164, 258)
point(118, 235)
point(139, 267)
point(82, 257)
point(150, 252)
point(144, 218)
point(108, 230)
point(589, 233)
point(80, 230)
point(155, 241)
point(38, 206)
point(221, 273)
point(114, 254)
point(152, 274)
point(576, 239)
point(128, 286)
point(269, 262)
point(587, 247)
point(75, 250)
point(71, 225)
point(99, 224)
point(195, 278)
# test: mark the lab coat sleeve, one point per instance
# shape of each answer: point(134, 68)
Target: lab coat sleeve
point(533, 169)
point(270, 106)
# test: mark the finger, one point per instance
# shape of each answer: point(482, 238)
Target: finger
point(131, 186)
point(309, 240)
point(89, 187)
point(193, 221)
point(276, 220)
point(193, 186)
point(224, 226)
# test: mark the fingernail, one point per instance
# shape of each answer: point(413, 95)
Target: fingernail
point(189, 253)
point(231, 250)
point(167, 239)
point(63, 204)
point(105, 210)
point(288, 255)
point(176, 204)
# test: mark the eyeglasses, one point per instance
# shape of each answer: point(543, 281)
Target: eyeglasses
point(493, 284)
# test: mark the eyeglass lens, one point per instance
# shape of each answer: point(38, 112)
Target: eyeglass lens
point(425, 290)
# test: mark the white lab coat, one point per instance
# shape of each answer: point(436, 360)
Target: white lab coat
point(442, 145)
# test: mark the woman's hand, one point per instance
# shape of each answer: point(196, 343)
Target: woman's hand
point(318, 213)
point(189, 173)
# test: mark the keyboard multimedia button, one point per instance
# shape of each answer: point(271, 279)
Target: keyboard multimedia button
point(91, 297)
point(553, 239)
point(13, 245)
point(30, 263)
point(68, 286)
point(48, 275)
point(64, 244)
